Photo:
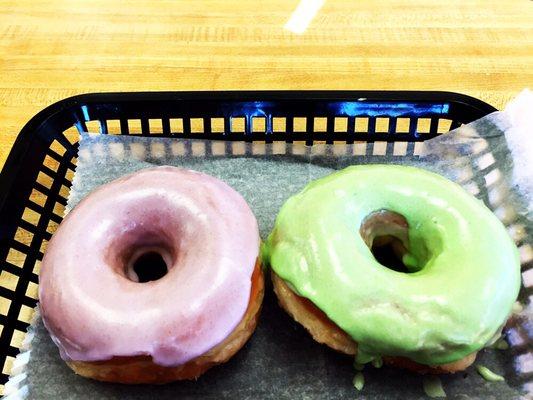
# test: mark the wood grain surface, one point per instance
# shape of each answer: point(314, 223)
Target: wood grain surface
point(54, 49)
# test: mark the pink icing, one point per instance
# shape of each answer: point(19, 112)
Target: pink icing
point(206, 233)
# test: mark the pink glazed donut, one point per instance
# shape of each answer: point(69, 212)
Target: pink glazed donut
point(152, 278)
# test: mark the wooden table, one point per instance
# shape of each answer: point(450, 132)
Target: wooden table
point(54, 49)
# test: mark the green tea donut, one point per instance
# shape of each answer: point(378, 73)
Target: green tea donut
point(462, 268)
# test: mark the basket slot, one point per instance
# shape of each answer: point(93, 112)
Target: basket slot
point(238, 126)
point(279, 124)
point(155, 127)
point(134, 126)
point(94, 126)
point(113, 126)
point(197, 126)
point(423, 126)
point(361, 125)
point(258, 124)
point(402, 125)
point(300, 125)
point(444, 125)
point(72, 135)
point(378, 125)
point(176, 126)
point(339, 125)
point(216, 125)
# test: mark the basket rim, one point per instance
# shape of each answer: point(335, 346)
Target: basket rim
point(26, 135)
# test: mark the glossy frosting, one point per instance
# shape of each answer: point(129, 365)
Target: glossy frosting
point(467, 271)
point(206, 233)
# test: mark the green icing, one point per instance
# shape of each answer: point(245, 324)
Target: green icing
point(263, 254)
point(517, 307)
point(377, 362)
point(410, 262)
point(363, 357)
point(433, 387)
point(465, 268)
point(501, 344)
point(359, 381)
point(488, 375)
point(498, 342)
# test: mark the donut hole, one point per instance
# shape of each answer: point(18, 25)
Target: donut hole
point(145, 263)
point(389, 251)
point(142, 255)
point(386, 233)
point(148, 266)
point(146, 243)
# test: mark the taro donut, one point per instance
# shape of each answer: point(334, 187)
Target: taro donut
point(446, 291)
point(152, 278)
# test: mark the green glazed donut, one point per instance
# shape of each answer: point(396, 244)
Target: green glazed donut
point(462, 268)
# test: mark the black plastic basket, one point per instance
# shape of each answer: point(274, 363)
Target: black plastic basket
point(35, 180)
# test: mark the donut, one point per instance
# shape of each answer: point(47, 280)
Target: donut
point(152, 278)
point(394, 262)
